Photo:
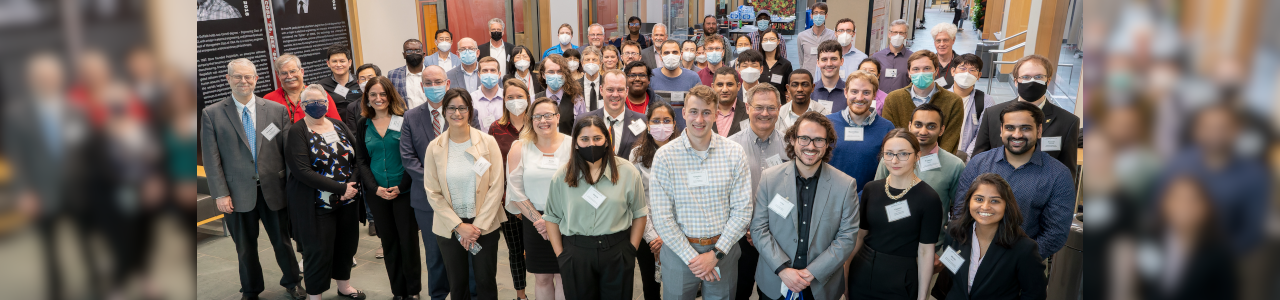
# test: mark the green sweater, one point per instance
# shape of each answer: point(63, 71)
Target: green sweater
point(898, 109)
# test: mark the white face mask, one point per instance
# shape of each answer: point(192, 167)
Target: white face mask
point(701, 58)
point(769, 46)
point(517, 106)
point(965, 80)
point(565, 39)
point(897, 40)
point(573, 65)
point(522, 65)
point(750, 74)
point(671, 61)
point(688, 56)
point(591, 69)
point(444, 46)
point(844, 39)
point(739, 50)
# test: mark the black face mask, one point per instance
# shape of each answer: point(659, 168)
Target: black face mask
point(593, 153)
point(495, 35)
point(1031, 91)
point(413, 59)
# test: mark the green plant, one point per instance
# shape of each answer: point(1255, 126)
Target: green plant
point(779, 8)
point(979, 13)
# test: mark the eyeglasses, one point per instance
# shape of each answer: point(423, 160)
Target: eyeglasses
point(891, 32)
point(455, 109)
point(289, 72)
point(900, 156)
point(242, 77)
point(799, 84)
point(1026, 78)
point(546, 116)
point(769, 108)
point(633, 24)
point(413, 51)
point(373, 95)
point(805, 140)
point(468, 48)
point(433, 83)
point(770, 40)
point(630, 53)
point(849, 31)
point(637, 75)
point(660, 121)
point(967, 69)
point(1023, 128)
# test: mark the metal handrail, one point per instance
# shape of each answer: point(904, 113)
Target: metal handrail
point(995, 73)
point(1006, 38)
point(1006, 50)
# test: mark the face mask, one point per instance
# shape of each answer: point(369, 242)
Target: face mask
point(897, 40)
point(922, 80)
point(555, 82)
point(565, 39)
point(517, 106)
point(819, 20)
point(413, 59)
point(769, 46)
point(573, 65)
point(361, 86)
point(593, 153)
point(739, 50)
point(468, 57)
point(661, 132)
point(1032, 90)
point(701, 58)
point(688, 56)
point(715, 57)
point(844, 39)
point(762, 24)
point(435, 94)
point(591, 69)
point(522, 65)
point(444, 46)
point(750, 74)
point(671, 62)
point(315, 110)
point(489, 80)
point(495, 35)
point(965, 80)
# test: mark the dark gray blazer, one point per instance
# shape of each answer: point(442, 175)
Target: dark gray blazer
point(628, 138)
point(457, 81)
point(646, 56)
point(415, 134)
point(229, 165)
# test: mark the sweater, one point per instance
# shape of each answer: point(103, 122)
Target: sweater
point(898, 108)
point(858, 159)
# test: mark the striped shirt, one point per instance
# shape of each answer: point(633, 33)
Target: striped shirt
point(719, 205)
point(1043, 187)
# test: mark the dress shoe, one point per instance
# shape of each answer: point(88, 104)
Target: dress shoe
point(296, 292)
point(356, 295)
point(247, 297)
point(373, 231)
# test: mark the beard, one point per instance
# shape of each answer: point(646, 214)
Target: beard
point(1026, 145)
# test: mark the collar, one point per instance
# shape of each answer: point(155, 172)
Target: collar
point(240, 107)
point(687, 144)
point(1037, 156)
point(933, 89)
point(350, 78)
point(935, 149)
point(559, 95)
point(622, 116)
point(852, 50)
point(816, 174)
point(839, 85)
point(496, 96)
point(732, 109)
point(463, 68)
point(773, 136)
point(871, 118)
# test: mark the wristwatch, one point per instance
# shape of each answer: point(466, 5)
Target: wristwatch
point(719, 254)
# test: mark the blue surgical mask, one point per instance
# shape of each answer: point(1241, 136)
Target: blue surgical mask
point(316, 109)
point(762, 24)
point(468, 57)
point(715, 57)
point(489, 80)
point(555, 82)
point(435, 94)
point(819, 20)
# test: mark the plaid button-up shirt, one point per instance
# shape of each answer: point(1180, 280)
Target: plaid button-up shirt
point(721, 206)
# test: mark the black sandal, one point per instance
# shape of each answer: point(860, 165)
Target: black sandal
point(356, 295)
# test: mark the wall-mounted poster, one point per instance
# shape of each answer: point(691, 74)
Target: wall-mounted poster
point(305, 27)
point(226, 30)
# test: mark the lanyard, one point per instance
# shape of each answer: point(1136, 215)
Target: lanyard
point(800, 296)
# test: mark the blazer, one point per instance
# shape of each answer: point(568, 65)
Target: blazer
point(1057, 122)
point(739, 117)
point(228, 164)
point(629, 138)
point(832, 231)
point(456, 79)
point(416, 133)
point(566, 114)
point(646, 56)
point(397, 77)
point(487, 48)
point(369, 183)
point(303, 182)
point(489, 212)
point(434, 59)
point(1005, 273)
point(48, 172)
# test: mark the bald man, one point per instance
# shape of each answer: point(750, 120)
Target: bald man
point(465, 76)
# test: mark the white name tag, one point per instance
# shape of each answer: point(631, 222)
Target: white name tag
point(698, 178)
point(341, 90)
point(1051, 143)
point(396, 122)
point(781, 206)
point(548, 162)
point(774, 160)
point(481, 166)
point(897, 211)
point(593, 197)
point(330, 137)
point(853, 134)
point(636, 127)
point(270, 132)
point(677, 97)
point(890, 73)
point(776, 79)
point(824, 103)
point(929, 162)
point(813, 51)
point(952, 260)
point(942, 81)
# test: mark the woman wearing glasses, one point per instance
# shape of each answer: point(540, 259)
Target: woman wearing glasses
point(901, 217)
point(566, 94)
point(532, 163)
point(464, 181)
point(662, 129)
point(506, 131)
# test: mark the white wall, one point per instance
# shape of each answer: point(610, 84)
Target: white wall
point(384, 25)
point(653, 13)
point(560, 12)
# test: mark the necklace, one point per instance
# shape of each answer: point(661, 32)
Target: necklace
point(904, 191)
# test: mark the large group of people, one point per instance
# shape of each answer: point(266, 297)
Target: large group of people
point(841, 170)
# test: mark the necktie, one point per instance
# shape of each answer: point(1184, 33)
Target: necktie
point(435, 121)
point(613, 124)
point(248, 134)
point(593, 95)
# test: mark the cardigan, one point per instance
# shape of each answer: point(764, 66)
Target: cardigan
point(898, 108)
point(489, 186)
point(303, 182)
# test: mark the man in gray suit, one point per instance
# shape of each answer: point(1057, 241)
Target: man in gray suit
point(806, 217)
point(243, 155)
point(465, 76)
point(650, 56)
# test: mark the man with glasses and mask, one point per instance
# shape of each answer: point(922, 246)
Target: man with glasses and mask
point(625, 126)
point(465, 76)
point(498, 48)
point(407, 78)
point(966, 72)
point(900, 104)
point(1034, 74)
point(846, 33)
point(893, 75)
point(715, 52)
point(764, 148)
point(633, 35)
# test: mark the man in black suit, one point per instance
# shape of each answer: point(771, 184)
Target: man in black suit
point(592, 81)
point(1060, 138)
point(496, 47)
point(243, 147)
point(625, 126)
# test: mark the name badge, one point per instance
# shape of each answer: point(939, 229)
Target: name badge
point(481, 166)
point(897, 211)
point(853, 134)
point(593, 197)
point(1051, 143)
point(890, 73)
point(341, 90)
point(396, 123)
point(952, 260)
point(636, 127)
point(813, 51)
point(825, 104)
point(781, 206)
point(774, 160)
point(330, 137)
point(699, 178)
point(270, 132)
point(549, 162)
point(677, 97)
point(929, 162)
point(942, 81)
point(776, 78)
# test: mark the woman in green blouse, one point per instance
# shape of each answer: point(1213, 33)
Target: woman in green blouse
point(387, 186)
point(595, 216)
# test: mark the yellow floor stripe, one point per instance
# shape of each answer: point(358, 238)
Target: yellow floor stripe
point(214, 218)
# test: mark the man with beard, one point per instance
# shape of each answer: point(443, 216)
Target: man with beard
point(859, 130)
point(1043, 186)
point(731, 113)
point(1061, 135)
point(764, 148)
point(411, 73)
point(289, 71)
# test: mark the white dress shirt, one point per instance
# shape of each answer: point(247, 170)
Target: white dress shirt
point(413, 90)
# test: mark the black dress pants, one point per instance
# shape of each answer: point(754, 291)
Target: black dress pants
point(244, 232)
point(484, 264)
point(328, 254)
point(398, 230)
point(651, 286)
point(598, 267)
point(746, 270)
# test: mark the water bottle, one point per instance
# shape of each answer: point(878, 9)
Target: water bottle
point(657, 272)
point(475, 247)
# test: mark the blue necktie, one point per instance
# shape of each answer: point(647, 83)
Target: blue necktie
point(248, 133)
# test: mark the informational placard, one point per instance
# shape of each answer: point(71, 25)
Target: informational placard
point(876, 32)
